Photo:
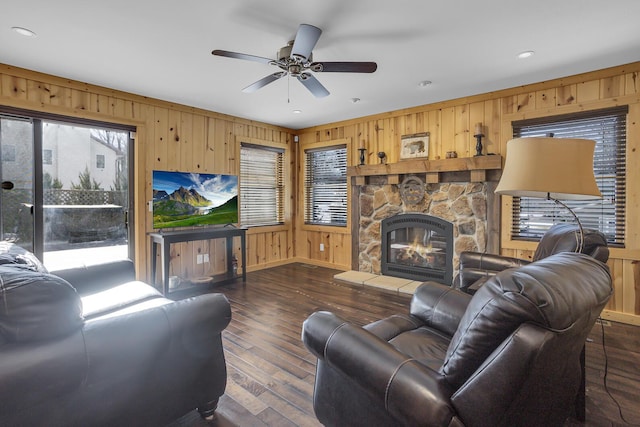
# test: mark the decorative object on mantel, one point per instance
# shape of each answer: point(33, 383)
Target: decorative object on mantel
point(362, 150)
point(478, 134)
point(452, 155)
point(382, 156)
point(550, 168)
point(412, 190)
point(414, 146)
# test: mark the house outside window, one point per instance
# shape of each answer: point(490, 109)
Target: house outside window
point(326, 186)
point(261, 185)
point(533, 216)
point(100, 161)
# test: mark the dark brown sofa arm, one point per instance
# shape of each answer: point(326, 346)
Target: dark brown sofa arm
point(477, 266)
point(410, 392)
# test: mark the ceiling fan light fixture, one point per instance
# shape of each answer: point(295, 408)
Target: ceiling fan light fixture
point(297, 111)
point(296, 60)
point(24, 31)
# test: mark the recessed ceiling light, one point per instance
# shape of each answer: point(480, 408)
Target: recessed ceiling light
point(355, 100)
point(525, 54)
point(297, 111)
point(24, 31)
point(424, 83)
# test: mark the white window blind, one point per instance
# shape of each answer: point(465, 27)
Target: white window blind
point(533, 216)
point(261, 185)
point(326, 186)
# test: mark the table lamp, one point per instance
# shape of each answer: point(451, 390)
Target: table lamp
point(550, 168)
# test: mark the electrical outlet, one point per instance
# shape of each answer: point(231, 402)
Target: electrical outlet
point(199, 259)
point(321, 247)
point(206, 257)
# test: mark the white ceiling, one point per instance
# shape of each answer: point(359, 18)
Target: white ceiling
point(162, 48)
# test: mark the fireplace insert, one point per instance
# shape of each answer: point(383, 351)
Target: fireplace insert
point(417, 247)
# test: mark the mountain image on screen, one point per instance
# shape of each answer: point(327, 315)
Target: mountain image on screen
point(178, 203)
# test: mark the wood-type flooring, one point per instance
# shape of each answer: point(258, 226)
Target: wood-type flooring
point(271, 373)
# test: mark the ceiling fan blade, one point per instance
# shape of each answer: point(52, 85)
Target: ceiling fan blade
point(314, 86)
point(244, 56)
point(305, 41)
point(344, 67)
point(264, 81)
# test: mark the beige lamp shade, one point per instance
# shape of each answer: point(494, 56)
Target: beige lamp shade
point(556, 168)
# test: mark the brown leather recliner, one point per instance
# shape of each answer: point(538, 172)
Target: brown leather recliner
point(92, 346)
point(506, 356)
point(476, 267)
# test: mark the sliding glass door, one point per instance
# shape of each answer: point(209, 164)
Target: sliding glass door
point(69, 202)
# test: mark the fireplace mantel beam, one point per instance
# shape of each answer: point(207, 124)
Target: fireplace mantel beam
point(435, 170)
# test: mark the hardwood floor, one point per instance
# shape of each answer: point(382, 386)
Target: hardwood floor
point(271, 373)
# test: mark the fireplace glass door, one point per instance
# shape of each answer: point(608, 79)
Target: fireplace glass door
point(418, 247)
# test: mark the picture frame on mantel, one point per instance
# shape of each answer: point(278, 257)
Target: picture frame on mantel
point(414, 146)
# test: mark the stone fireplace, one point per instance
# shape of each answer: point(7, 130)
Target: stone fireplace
point(417, 247)
point(462, 205)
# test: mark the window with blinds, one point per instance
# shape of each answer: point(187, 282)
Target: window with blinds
point(532, 216)
point(326, 186)
point(261, 185)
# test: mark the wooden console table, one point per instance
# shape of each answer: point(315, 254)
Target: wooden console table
point(165, 239)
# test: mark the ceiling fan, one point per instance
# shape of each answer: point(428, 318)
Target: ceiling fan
point(296, 60)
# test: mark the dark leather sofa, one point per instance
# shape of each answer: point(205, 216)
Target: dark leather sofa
point(507, 356)
point(92, 346)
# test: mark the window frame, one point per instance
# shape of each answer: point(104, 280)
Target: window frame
point(268, 146)
point(573, 126)
point(100, 161)
point(329, 145)
point(47, 156)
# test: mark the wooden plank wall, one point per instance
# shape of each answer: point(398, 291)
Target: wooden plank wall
point(177, 137)
point(168, 137)
point(451, 127)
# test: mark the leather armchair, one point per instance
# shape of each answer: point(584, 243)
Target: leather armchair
point(476, 267)
point(92, 346)
point(506, 356)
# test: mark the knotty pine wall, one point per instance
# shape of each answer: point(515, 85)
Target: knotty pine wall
point(451, 127)
point(179, 137)
point(169, 137)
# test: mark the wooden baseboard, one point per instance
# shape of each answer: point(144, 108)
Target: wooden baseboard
point(268, 265)
point(616, 316)
point(292, 260)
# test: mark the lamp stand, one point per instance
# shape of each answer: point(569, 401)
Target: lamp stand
point(581, 230)
point(580, 402)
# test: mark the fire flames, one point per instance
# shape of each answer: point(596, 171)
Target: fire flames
point(417, 254)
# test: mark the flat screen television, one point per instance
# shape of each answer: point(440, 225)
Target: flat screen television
point(184, 199)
